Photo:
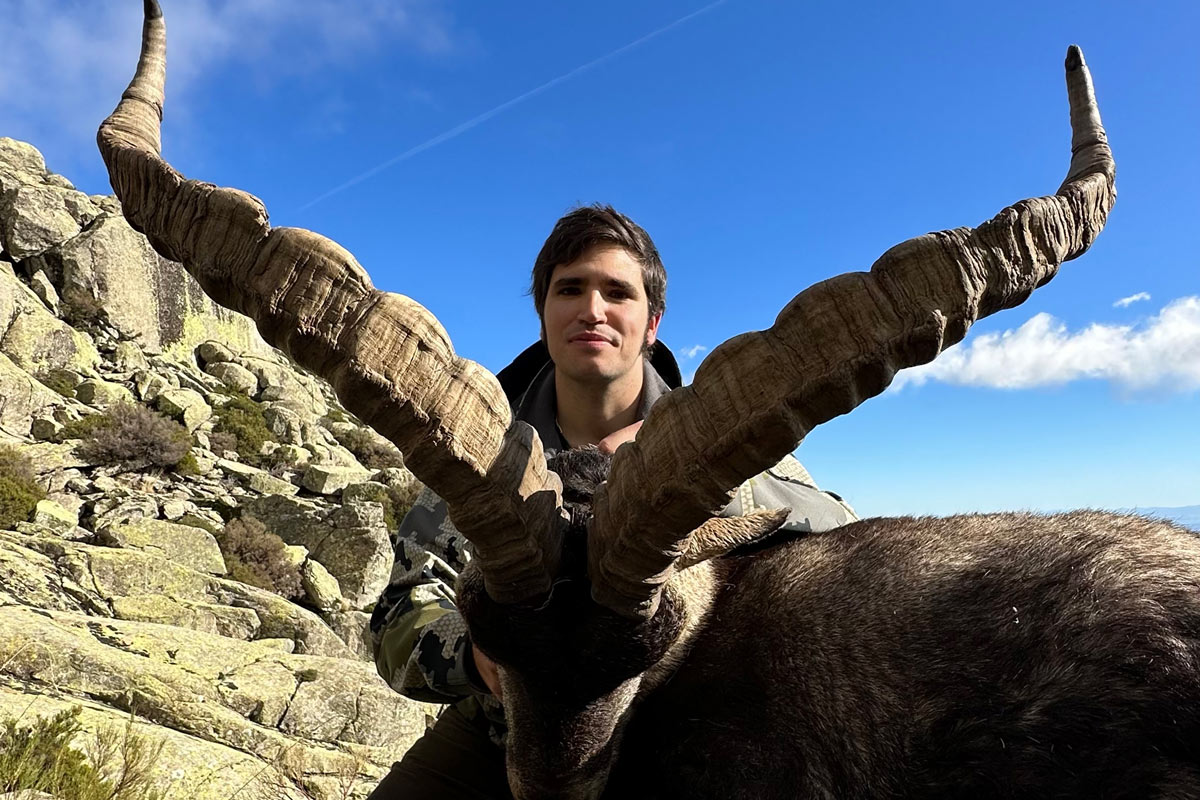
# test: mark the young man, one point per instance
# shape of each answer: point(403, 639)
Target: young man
point(600, 291)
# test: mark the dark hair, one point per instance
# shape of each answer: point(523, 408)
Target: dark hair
point(587, 226)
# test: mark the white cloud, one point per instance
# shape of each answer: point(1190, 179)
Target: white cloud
point(1133, 298)
point(693, 351)
point(65, 62)
point(1163, 352)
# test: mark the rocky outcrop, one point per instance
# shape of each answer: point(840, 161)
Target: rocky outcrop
point(115, 596)
point(101, 269)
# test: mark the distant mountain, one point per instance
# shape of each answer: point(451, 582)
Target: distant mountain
point(1187, 516)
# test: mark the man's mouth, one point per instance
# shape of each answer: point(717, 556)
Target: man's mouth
point(589, 338)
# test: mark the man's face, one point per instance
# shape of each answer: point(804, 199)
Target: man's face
point(596, 318)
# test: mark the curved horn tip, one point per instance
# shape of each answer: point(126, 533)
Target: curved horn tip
point(152, 9)
point(1075, 58)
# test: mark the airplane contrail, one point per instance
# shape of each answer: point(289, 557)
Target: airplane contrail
point(485, 116)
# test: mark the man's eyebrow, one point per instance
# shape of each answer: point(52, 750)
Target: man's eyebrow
point(616, 283)
point(628, 287)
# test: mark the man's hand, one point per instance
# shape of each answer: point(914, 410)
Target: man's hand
point(489, 672)
point(610, 443)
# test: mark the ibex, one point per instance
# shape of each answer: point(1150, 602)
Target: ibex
point(1010, 655)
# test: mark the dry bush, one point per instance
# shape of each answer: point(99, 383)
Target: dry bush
point(220, 441)
point(258, 557)
point(38, 757)
point(19, 489)
point(130, 436)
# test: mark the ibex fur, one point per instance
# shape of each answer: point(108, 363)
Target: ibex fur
point(649, 649)
point(977, 656)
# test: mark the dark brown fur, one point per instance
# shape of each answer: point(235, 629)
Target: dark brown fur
point(985, 656)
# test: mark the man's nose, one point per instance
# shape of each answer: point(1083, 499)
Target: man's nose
point(594, 308)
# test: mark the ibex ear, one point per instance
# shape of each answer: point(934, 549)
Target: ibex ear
point(720, 535)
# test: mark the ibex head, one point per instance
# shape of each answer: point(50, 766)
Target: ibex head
point(572, 669)
point(605, 590)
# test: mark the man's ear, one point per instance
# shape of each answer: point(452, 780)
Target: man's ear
point(652, 329)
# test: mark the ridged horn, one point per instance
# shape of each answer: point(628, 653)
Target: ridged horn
point(757, 396)
point(386, 356)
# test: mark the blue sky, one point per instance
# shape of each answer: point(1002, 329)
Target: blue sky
point(764, 145)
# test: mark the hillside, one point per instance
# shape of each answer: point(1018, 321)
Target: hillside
point(123, 589)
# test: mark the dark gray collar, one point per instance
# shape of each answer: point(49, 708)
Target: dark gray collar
point(539, 404)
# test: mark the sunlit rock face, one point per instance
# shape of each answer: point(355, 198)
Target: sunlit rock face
point(85, 250)
point(115, 596)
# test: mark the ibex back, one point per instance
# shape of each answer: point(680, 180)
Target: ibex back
point(649, 648)
point(1004, 655)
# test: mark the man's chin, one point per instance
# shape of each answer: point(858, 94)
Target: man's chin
point(589, 371)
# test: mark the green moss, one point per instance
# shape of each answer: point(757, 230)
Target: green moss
point(19, 489)
point(243, 418)
point(402, 498)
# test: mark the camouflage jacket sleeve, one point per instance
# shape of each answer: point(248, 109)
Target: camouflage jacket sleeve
point(421, 645)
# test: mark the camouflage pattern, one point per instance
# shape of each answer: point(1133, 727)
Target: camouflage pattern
point(421, 644)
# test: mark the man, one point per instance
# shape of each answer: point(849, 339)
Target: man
point(599, 287)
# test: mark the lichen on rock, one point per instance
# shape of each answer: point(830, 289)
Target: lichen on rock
point(114, 596)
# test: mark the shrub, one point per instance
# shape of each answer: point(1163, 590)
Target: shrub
point(382, 495)
point(59, 380)
point(38, 757)
point(284, 459)
point(19, 489)
point(188, 465)
point(402, 498)
point(335, 414)
point(258, 557)
point(243, 418)
point(220, 441)
point(131, 437)
point(84, 427)
point(371, 449)
point(396, 500)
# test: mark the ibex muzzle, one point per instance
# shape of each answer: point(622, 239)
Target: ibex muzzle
point(650, 650)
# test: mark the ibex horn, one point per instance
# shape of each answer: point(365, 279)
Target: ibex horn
point(387, 357)
point(833, 346)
